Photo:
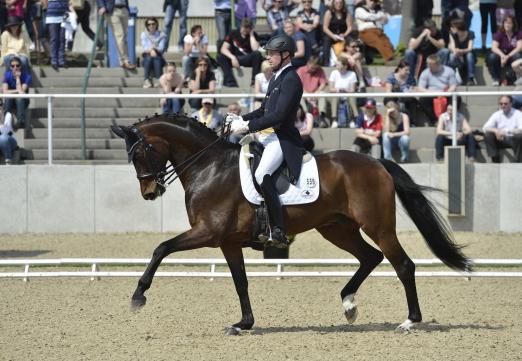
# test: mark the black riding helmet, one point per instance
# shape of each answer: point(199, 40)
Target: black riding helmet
point(282, 43)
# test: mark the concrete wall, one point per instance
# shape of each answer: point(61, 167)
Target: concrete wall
point(106, 198)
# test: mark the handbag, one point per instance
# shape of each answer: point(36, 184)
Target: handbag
point(77, 4)
point(338, 48)
point(440, 104)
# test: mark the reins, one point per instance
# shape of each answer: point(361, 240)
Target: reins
point(166, 176)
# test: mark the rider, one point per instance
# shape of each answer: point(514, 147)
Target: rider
point(274, 121)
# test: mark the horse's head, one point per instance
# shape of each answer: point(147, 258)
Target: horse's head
point(149, 155)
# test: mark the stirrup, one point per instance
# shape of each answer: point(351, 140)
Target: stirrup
point(277, 239)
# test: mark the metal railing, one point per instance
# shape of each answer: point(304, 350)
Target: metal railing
point(212, 263)
point(252, 97)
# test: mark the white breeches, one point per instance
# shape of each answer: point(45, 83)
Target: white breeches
point(272, 156)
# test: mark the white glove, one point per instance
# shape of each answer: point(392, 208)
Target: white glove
point(230, 118)
point(238, 125)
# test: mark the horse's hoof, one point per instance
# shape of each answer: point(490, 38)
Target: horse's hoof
point(137, 302)
point(351, 314)
point(232, 331)
point(405, 327)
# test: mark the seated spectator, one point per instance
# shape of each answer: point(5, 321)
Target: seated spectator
point(506, 48)
point(8, 143)
point(233, 108)
point(208, 115)
point(400, 82)
point(464, 134)
point(13, 43)
point(195, 46)
point(304, 122)
point(337, 24)
point(261, 82)
point(424, 42)
point(368, 131)
point(314, 81)
point(504, 130)
point(436, 77)
point(370, 20)
point(396, 132)
point(153, 44)
point(202, 81)
point(17, 81)
point(352, 52)
point(240, 48)
point(276, 17)
point(171, 83)
point(342, 80)
point(308, 21)
point(304, 50)
point(462, 57)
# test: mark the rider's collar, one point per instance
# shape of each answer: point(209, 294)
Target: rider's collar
point(277, 73)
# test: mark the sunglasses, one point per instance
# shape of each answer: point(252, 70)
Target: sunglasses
point(15, 65)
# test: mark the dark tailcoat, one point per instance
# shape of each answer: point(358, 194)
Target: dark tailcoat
point(279, 111)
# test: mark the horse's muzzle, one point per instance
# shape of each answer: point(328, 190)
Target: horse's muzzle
point(153, 192)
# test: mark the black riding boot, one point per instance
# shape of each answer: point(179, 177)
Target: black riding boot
point(275, 214)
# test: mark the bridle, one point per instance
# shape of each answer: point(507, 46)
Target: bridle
point(163, 175)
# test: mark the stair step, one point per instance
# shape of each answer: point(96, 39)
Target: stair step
point(65, 143)
point(98, 112)
point(76, 154)
point(90, 122)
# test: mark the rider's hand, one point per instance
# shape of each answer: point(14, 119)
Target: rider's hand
point(238, 125)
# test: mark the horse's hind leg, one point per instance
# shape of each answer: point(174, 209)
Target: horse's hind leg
point(405, 268)
point(348, 237)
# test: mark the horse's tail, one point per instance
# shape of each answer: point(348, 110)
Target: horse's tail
point(435, 230)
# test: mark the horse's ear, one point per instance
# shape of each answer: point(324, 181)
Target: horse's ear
point(119, 130)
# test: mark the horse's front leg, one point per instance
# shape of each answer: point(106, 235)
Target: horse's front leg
point(234, 256)
point(192, 239)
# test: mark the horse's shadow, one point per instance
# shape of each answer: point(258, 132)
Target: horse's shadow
point(16, 253)
point(372, 327)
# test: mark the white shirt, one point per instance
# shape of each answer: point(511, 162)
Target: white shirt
point(368, 19)
point(503, 122)
point(263, 82)
point(188, 39)
point(346, 81)
point(276, 74)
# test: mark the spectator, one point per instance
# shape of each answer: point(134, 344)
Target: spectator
point(368, 130)
point(370, 21)
point(462, 57)
point(240, 48)
point(308, 22)
point(222, 10)
point(118, 19)
point(337, 24)
point(234, 108)
point(304, 50)
point(464, 134)
point(261, 81)
point(17, 80)
point(304, 122)
point(56, 10)
point(342, 80)
point(171, 83)
point(33, 25)
point(170, 7)
point(436, 77)
point(352, 52)
point(504, 8)
point(69, 24)
point(288, 5)
point(425, 41)
point(13, 43)
point(208, 115)
point(202, 81)
point(246, 9)
point(506, 48)
point(314, 81)
point(452, 9)
point(487, 8)
point(504, 130)
point(195, 46)
point(153, 44)
point(84, 14)
point(8, 143)
point(276, 17)
point(16, 8)
point(422, 12)
point(396, 132)
point(400, 82)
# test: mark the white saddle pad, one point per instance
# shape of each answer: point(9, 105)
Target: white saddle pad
point(306, 191)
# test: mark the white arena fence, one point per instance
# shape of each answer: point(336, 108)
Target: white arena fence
point(50, 98)
point(96, 272)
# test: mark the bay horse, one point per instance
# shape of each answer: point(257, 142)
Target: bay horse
point(357, 193)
